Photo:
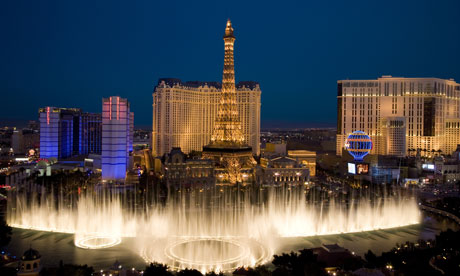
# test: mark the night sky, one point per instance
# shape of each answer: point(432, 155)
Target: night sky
point(58, 53)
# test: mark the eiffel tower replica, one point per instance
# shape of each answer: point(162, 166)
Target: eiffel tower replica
point(232, 156)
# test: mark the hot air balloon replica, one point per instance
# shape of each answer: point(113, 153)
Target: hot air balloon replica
point(358, 145)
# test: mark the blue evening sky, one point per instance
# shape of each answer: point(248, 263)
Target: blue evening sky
point(73, 53)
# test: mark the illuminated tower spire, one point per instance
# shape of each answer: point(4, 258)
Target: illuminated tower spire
point(227, 128)
point(233, 159)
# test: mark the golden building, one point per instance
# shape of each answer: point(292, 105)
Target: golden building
point(452, 135)
point(285, 171)
point(306, 158)
point(274, 149)
point(184, 114)
point(400, 114)
point(183, 172)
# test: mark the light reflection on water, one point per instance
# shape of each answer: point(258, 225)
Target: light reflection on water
point(257, 222)
point(60, 246)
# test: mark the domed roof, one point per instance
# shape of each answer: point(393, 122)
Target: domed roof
point(31, 255)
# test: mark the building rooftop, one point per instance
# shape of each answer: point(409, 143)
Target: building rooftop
point(196, 84)
point(303, 153)
point(283, 159)
point(389, 77)
point(60, 109)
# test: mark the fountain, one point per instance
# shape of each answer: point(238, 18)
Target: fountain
point(216, 229)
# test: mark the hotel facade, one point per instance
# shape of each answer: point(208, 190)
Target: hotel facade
point(67, 132)
point(400, 115)
point(184, 114)
point(117, 137)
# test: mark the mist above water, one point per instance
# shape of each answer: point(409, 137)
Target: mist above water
point(214, 229)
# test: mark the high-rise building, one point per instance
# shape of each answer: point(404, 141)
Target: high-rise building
point(116, 138)
point(24, 140)
point(90, 133)
point(59, 132)
point(400, 115)
point(393, 131)
point(131, 131)
point(184, 114)
point(66, 132)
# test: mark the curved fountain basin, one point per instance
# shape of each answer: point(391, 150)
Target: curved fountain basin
point(236, 229)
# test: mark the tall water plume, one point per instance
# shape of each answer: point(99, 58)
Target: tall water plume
point(238, 226)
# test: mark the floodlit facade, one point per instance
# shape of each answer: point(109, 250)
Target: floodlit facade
point(66, 132)
point(183, 172)
point(394, 135)
point(116, 138)
point(91, 133)
point(184, 114)
point(400, 114)
point(452, 134)
point(284, 171)
point(305, 158)
point(59, 135)
point(220, 119)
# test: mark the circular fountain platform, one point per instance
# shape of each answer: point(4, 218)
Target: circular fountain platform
point(207, 253)
point(96, 242)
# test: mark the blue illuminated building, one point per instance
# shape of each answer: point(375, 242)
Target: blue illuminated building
point(90, 133)
point(59, 135)
point(67, 132)
point(117, 131)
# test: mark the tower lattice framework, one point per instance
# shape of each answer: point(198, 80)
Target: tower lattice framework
point(227, 128)
point(233, 158)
